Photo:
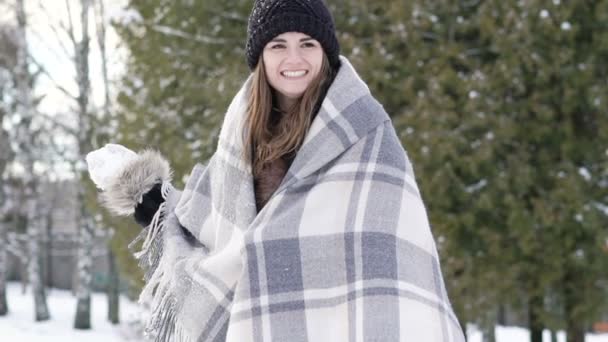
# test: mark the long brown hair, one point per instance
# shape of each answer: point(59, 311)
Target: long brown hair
point(270, 137)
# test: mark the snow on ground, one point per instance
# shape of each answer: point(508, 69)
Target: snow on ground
point(19, 325)
point(515, 334)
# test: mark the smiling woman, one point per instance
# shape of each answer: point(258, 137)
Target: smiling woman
point(291, 61)
point(288, 82)
point(306, 224)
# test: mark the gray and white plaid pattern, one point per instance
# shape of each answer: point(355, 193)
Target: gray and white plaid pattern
point(341, 252)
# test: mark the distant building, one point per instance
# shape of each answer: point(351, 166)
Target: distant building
point(59, 253)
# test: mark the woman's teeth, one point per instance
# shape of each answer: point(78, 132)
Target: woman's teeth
point(298, 73)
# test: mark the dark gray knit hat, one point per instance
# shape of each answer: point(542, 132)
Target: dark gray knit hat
point(270, 18)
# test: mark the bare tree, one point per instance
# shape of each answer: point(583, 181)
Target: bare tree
point(87, 229)
point(113, 287)
point(7, 63)
point(25, 108)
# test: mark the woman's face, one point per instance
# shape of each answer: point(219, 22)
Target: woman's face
point(291, 61)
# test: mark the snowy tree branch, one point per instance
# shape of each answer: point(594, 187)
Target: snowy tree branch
point(70, 29)
point(55, 31)
point(169, 31)
point(230, 15)
point(47, 74)
point(59, 124)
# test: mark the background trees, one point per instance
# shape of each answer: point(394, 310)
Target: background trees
point(498, 103)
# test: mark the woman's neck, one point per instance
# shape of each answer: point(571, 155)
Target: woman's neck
point(285, 104)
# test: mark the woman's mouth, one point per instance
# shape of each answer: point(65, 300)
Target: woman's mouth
point(294, 73)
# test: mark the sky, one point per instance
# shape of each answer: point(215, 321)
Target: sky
point(50, 46)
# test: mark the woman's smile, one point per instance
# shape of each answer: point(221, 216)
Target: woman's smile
point(294, 74)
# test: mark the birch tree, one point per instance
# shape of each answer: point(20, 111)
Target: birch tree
point(7, 64)
point(5, 156)
point(81, 45)
point(26, 138)
point(113, 276)
point(84, 131)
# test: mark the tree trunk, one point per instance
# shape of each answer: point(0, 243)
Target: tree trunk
point(84, 270)
point(553, 336)
point(23, 275)
point(489, 326)
point(87, 228)
point(83, 313)
point(3, 266)
point(535, 306)
point(113, 289)
point(501, 319)
point(574, 327)
point(6, 155)
point(26, 109)
point(35, 271)
point(48, 270)
point(489, 334)
point(575, 334)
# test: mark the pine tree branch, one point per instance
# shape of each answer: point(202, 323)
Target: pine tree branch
point(169, 31)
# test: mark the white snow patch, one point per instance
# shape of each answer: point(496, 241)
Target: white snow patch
point(601, 207)
point(19, 324)
point(473, 94)
point(516, 334)
point(544, 13)
point(124, 16)
point(584, 172)
point(566, 26)
point(477, 186)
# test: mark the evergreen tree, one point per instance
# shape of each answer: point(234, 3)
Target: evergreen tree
point(186, 62)
point(498, 104)
point(506, 128)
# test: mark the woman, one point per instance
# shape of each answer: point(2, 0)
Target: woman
point(306, 224)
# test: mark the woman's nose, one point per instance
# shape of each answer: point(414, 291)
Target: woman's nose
point(294, 54)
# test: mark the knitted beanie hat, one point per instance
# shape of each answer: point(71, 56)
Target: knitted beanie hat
point(270, 18)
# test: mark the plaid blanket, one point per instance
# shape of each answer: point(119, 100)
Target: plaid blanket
point(341, 252)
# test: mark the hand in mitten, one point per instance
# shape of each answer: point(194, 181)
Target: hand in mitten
point(126, 177)
point(151, 201)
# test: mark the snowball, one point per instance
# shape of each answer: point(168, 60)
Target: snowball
point(106, 162)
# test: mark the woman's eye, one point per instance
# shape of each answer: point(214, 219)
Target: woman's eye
point(309, 45)
point(277, 46)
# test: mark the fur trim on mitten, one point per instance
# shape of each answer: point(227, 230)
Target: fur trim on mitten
point(135, 179)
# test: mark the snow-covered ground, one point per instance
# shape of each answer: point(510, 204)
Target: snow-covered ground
point(514, 334)
point(19, 325)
